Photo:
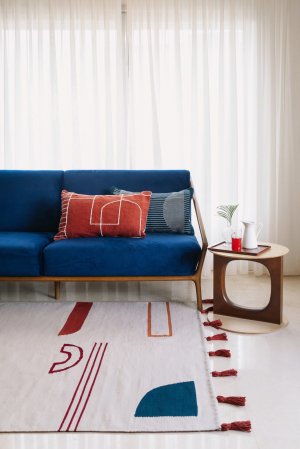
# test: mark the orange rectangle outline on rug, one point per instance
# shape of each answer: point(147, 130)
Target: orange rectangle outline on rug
point(149, 321)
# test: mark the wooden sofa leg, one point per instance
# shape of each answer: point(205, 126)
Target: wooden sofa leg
point(197, 283)
point(57, 289)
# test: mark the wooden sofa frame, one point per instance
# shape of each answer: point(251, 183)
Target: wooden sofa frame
point(196, 277)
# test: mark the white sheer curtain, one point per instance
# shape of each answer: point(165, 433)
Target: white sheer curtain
point(211, 89)
point(208, 85)
point(61, 77)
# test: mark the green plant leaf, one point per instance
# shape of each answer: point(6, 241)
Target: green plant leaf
point(227, 211)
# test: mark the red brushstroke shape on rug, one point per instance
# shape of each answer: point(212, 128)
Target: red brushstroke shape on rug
point(76, 318)
point(70, 355)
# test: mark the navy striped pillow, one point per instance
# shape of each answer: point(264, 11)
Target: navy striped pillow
point(168, 212)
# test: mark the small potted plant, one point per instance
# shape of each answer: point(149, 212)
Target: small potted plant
point(227, 212)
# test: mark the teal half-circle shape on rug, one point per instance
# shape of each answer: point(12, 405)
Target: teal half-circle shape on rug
point(169, 400)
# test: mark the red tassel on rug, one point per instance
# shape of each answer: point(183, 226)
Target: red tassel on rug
point(207, 301)
point(216, 323)
point(208, 309)
point(233, 400)
point(222, 336)
point(228, 372)
point(220, 353)
point(244, 426)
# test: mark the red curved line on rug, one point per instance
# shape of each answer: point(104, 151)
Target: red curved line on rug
point(76, 390)
point(69, 356)
point(170, 331)
point(83, 391)
point(76, 318)
point(91, 388)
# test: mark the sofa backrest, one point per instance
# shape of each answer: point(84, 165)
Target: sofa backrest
point(30, 200)
point(94, 182)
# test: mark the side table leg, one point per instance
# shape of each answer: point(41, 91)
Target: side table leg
point(222, 304)
point(272, 313)
point(273, 310)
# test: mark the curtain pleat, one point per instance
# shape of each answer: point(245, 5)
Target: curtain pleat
point(62, 80)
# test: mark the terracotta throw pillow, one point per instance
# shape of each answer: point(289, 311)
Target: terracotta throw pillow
point(103, 215)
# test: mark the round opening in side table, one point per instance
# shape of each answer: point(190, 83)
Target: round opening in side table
point(243, 319)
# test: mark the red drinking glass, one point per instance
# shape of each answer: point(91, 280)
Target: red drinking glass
point(236, 243)
point(236, 240)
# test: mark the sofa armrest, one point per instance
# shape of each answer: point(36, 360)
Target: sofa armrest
point(199, 219)
point(202, 230)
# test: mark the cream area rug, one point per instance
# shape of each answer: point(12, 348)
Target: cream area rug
point(129, 367)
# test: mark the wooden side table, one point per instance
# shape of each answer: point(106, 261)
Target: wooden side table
point(272, 259)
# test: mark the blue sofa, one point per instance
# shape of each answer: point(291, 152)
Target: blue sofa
point(30, 212)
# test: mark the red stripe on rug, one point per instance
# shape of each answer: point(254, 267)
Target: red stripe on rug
point(78, 385)
point(85, 385)
point(76, 318)
point(91, 388)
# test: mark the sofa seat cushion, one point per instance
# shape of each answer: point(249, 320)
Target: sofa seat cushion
point(21, 253)
point(155, 255)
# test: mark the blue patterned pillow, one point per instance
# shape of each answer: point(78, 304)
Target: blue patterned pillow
point(168, 212)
